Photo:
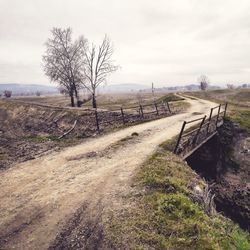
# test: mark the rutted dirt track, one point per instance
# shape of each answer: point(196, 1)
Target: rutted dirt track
point(72, 189)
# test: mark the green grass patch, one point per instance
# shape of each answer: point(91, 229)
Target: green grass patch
point(240, 116)
point(41, 139)
point(3, 156)
point(242, 96)
point(238, 103)
point(164, 216)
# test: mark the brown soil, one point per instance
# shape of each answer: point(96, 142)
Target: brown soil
point(224, 162)
point(232, 187)
point(31, 130)
point(60, 200)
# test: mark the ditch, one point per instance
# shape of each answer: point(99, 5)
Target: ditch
point(224, 162)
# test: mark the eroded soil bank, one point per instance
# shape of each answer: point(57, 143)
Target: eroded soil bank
point(28, 131)
point(224, 162)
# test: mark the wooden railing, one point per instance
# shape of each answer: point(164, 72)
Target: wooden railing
point(131, 114)
point(200, 131)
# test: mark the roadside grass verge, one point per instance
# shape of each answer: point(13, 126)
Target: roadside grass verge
point(162, 213)
point(238, 100)
point(170, 98)
point(64, 142)
point(241, 116)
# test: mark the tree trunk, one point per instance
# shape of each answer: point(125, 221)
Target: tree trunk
point(77, 98)
point(72, 100)
point(94, 101)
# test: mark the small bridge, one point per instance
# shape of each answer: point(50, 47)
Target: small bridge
point(199, 131)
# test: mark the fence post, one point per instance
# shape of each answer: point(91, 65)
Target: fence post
point(169, 108)
point(210, 117)
point(141, 108)
point(199, 130)
point(97, 121)
point(179, 138)
point(164, 106)
point(156, 108)
point(123, 119)
point(225, 112)
point(217, 119)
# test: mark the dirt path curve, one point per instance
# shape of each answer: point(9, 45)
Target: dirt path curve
point(38, 197)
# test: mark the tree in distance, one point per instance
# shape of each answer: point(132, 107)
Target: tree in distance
point(204, 82)
point(98, 66)
point(73, 65)
point(230, 86)
point(64, 61)
point(38, 93)
point(7, 93)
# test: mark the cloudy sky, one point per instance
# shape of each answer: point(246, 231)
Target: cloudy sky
point(161, 41)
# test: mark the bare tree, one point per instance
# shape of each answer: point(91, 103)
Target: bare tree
point(98, 66)
point(38, 93)
point(7, 93)
point(203, 81)
point(64, 60)
point(230, 86)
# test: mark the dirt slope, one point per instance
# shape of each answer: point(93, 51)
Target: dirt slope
point(38, 197)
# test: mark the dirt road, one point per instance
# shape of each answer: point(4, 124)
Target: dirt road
point(39, 197)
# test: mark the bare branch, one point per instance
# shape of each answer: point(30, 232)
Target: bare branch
point(98, 66)
point(64, 60)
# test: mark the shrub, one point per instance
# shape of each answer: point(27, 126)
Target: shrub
point(7, 93)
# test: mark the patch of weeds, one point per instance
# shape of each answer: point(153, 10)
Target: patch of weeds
point(3, 156)
point(241, 116)
point(241, 240)
point(169, 144)
point(41, 139)
point(170, 98)
point(164, 215)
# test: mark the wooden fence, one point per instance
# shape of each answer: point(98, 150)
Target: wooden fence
point(200, 131)
point(132, 114)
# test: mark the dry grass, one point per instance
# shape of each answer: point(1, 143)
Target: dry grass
point(164, 212)
point(238, 100)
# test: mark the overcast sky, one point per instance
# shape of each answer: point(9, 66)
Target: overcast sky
point(161, 41)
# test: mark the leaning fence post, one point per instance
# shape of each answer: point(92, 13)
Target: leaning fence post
point(97, 121)
point(225, 111)
point(123, 119)
point(169, 108)
point(210, 117)
point(179, 138)
point(199, 130)
point(156, 108)
point(141, 108)
point(217, 119)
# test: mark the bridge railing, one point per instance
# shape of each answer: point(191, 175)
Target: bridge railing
point(195, 133)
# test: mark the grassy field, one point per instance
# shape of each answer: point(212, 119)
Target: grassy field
point(106, 101)
point(238, 100)
point(164, 214)
point(30, 126)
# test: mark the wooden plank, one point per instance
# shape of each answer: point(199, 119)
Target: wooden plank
point(193, 150)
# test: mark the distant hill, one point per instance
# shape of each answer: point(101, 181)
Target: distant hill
point(127, 87)
point(27, 89)
point(31, 89)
